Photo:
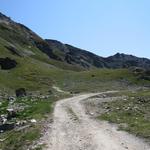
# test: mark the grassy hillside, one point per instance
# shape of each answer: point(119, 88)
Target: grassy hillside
point(37, 76)
point(38, 68)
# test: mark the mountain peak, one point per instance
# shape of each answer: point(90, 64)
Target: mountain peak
point(122, 56)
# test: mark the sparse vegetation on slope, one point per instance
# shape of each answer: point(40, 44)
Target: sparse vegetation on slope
point(132, 113)
point(29, 118)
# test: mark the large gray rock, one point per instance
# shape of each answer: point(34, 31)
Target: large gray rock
point(21, 92)
point(7, 127)
point(7, 63)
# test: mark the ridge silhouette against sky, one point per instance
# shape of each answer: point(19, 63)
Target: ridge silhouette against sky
point(104, 27)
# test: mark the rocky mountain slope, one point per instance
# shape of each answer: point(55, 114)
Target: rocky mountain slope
point(76, 56)
point(20, 41)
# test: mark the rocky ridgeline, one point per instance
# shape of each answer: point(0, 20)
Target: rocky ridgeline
point(76, 56)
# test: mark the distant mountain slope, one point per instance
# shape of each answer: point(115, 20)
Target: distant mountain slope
point(17, 34)
point(16, 40)
point(126, 61)
point(76, 56)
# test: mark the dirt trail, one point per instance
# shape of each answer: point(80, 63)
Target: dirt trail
point(73, 129)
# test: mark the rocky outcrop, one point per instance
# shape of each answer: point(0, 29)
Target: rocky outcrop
point(44, 47)
point(7, 63)
point(7, 127)
point(21, 92)
point(13, 50)
point(142, 73)
point(127, 61)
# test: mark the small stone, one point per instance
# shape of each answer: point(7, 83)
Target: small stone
point(11, 98)
point(33, 121)
point(92, 113)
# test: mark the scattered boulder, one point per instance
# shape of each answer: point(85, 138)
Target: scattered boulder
point(145, 78)
point(21, 123)
point(137, 70)
point(7, 63)
point(33, 121)
point(50, 92)
point(7, 127)
point(11, 98)
point(44, 97)
point(11, 113)
point(21, 92)
point(141, 73)
point(92, 75)
point(3, 119)
point(147, 72)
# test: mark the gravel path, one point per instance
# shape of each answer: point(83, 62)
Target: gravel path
point(73, 129)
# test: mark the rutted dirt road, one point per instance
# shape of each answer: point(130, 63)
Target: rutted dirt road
point(74, 129)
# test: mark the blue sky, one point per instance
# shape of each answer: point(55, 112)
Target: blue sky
point(104, 27)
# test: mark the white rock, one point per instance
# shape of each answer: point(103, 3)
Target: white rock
point(33, 121)
point(10, 110)
point(92, 113)
point(4, 120)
